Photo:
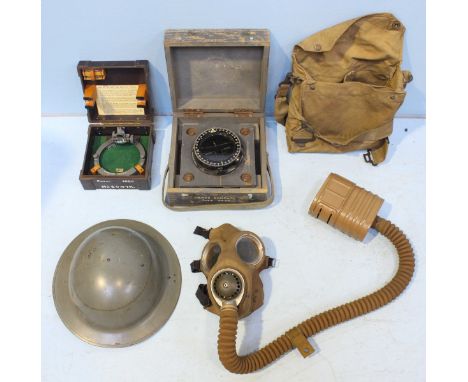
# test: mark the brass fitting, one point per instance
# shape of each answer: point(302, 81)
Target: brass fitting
point(231, 262)
point(346, 206)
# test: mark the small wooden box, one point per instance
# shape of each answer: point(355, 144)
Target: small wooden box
point(117, 95)
point(218, 80)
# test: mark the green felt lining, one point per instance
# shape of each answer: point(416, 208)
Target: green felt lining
point(119, 158)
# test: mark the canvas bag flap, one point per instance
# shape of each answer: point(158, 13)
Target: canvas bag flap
point(367, 46)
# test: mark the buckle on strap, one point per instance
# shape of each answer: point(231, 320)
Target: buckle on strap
point(377, 155)
point(368, 157)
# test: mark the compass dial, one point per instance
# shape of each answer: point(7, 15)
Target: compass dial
point(217, 151)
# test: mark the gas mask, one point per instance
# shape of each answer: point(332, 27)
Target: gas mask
point(231, 262)
point(233, 259)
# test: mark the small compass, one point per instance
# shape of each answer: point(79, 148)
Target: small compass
point(119, 138)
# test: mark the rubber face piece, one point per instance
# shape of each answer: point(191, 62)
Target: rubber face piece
point(346, 206)
point(231, 262)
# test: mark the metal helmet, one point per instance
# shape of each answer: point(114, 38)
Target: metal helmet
point(117, 283)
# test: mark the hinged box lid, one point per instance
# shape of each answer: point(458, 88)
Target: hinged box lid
point(116, 91)
point(217, 70)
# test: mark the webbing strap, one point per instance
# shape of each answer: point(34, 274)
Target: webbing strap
point(281, 100)
point(377, 155)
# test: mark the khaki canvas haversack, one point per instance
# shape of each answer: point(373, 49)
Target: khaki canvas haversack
point(345, 88)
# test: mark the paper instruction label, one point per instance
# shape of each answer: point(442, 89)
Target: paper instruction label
point(117, 100)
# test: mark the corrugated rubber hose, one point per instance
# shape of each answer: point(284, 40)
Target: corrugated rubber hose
point(263, 357)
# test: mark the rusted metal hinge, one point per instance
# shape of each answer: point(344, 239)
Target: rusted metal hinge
point(243, 113)
point(193, 113)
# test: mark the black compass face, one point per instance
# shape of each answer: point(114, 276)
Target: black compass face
point(217, 151)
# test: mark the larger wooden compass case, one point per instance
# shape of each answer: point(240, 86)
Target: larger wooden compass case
point(218, 83)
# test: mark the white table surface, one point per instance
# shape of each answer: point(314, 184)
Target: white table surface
point(317, 268)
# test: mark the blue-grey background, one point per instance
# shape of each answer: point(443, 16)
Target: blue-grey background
point(131, 30)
